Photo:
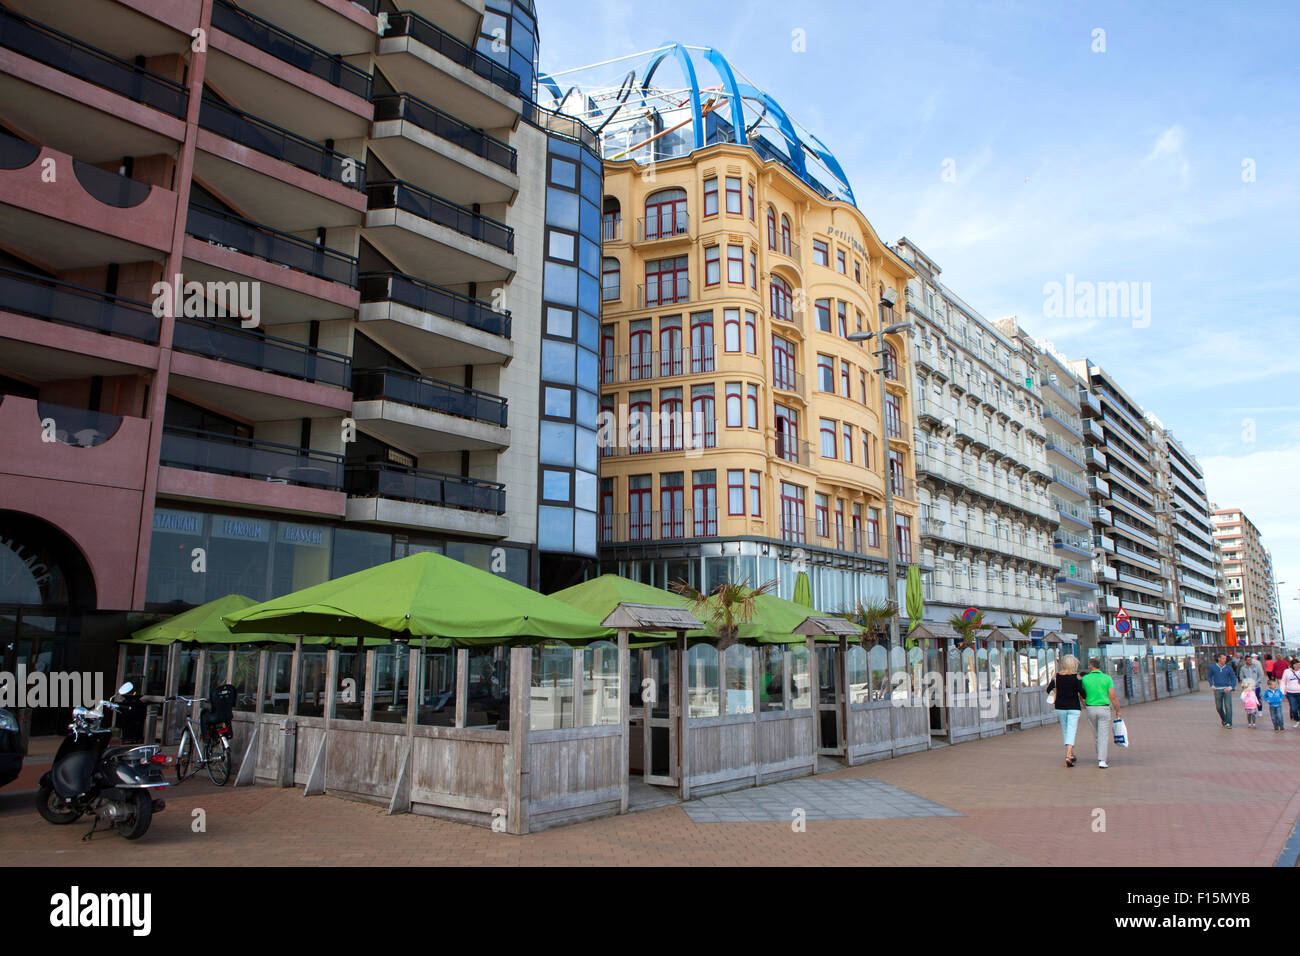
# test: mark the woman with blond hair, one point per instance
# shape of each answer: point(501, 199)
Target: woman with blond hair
point(1068, 701)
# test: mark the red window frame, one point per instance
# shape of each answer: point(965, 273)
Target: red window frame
point(771, 228)
point(753, 269)
point(827, 427)
point(671, 430)
point(842, 317)
point(903, 537)
point(711, 195)
point(607, 509)
point(825, 373)
point(793, 517)
point(640, 413)
point(785, 234)
point(605, 273)
point(873, 528)
point(823, 309)
point(751, 332)
point(665, 213)
point(670, 345)
point(735, 390)
point(640, 355)
point(751, 406)
point(857, 530)
point(781, 298)
point(730, 330)
point(750, 187)
point(839, 524)
point(841, 262)
point(608, 355)
point(739, 210)
point(787, 433)
point(821, 253)
point(783, 363)
point(713, 265)
point(756, 494)
point(735, 491)
point(672, 505)
point(736, 264)
point(701, 342)
point(671, 280)
point(704, 503)
point(704, 422)
point(639, 516)
point(822, 514)
point(845, 388)
point(893, 417)
point(847, 430)
point(891, 363)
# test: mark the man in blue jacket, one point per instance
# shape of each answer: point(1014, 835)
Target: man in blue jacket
point(1223, 682)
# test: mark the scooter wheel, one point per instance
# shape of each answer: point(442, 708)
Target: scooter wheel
point(141, 805)
point(51, 806)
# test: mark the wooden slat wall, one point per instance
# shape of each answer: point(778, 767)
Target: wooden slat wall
point(870, 734)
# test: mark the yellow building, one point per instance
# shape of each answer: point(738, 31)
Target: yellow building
point(741, 428)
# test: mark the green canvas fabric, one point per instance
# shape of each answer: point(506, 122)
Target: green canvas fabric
point(803, 590)
point(202, 625)
point(424, 595)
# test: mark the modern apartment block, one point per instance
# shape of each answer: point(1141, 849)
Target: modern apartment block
point(1122, 467)
point(1248, 574)
point(1195, 610)
point(1275, 600)
point(744, 433)
point(288, 289)
point(988, 498)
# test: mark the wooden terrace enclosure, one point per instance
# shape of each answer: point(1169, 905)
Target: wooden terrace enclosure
point(529, 734)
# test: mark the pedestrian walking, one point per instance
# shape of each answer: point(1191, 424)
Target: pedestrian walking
point(1273, 697)
point(1068, 688)
point(1252, 671)
point(1249, 701)
point(1099, 697)
point(1291, 688)
point(1223, 681)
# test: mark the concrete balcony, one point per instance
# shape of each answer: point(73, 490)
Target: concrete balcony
point(435, 239)
point(290, 82)
point(300, 280)
point(432, 326)
point(460, 18)
point(89, 447)
point(382, 493)
point(86, 217)
point(83, 100)
point(295, 184)
point(339, 26)
point(420, 58)
point(425, 415)
point(423, 145)
point(1096, 459)
point(125, 28)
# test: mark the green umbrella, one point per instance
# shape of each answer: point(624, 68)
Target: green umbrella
point(802, 590)
point(915, 600)
point(600, 595)
point(424, 595)
point(201, 625)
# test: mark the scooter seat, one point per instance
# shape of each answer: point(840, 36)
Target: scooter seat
point(73, 774)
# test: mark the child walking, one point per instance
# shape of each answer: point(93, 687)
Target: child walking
point(1274, 697)
point(1250, 702)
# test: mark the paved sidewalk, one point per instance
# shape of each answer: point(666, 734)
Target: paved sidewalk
point(1016, 804)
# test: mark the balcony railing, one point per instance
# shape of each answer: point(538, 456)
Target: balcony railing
point(663, 293)
point(663, 226)
point(793, 450)
point(395, 194)
point(644, 365)
point(283, 45)
point(611, 229)
point(251, 349)
point(385, 480)
point(78, 427)
point(659, 525)
point(410, 389)
point(435, 300)
point(67, 304)
point(262, 242)
point(271, 140)
point(419, 29)
point(789, 380)
point(404, 106)
point(49, 46)
point(247, 458)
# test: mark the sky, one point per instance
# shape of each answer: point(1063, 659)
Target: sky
point(1025, 144)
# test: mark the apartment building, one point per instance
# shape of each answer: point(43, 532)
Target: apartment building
point(1122, 480)
point(743, 433)
point(1275, 599)
point(287, 290)
point(1195, 610)
point(988, 516)
point(1248, 576)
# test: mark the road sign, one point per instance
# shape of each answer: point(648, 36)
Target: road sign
point(969, 614)
point(1122, 625)
point(1121, 615)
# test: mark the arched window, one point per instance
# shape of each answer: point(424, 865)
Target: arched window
point(781, 298)
point(771, 228)
point(611, 220)
point(785, 234)
point(609, 279)
point(891, 362)
point(665, 213)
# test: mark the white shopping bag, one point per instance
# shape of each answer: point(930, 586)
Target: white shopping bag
point(1121, 733)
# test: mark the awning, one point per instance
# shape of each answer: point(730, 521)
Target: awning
point(818, 626)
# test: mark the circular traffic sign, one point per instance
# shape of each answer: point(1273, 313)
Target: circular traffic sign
point(969, 614)
point(1122, 625)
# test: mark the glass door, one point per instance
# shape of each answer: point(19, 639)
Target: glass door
point(660, 712)
point(831, 698)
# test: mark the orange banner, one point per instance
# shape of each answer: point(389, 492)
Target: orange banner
point(1230, 629)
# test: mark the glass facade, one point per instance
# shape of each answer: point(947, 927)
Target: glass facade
point(509, 36)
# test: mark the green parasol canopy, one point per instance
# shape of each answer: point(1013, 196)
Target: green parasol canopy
point(803, 590)
point(424, 595)
point(201, 625)
point(915, 599)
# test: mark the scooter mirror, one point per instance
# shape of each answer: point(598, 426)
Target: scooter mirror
point(126, 688)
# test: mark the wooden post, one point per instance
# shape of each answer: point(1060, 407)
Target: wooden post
point(756, 663)
point(624, 718)
point(844, 702)
point(295, 677)
point(368, 698)
point(517, 788)
point(579, 658)
point(462, 685)
point(684, 712)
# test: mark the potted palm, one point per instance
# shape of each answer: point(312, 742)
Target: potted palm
point(726, 607)
point(1024, 624)
point(874, 617)
point(968, 628)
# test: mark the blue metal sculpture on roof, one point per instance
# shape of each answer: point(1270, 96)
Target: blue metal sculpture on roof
point(642, 115)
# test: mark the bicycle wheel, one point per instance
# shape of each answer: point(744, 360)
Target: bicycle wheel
point(185, 755)
point(218, 761)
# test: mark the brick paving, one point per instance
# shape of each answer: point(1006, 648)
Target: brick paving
point(1017, 804)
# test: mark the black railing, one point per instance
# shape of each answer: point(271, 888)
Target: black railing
point(282, 45)
point(110, 188)
point(263, 242)
point(252, 350)
point(79, 427)
point(397, 386)
point(558, 124)
point(418, 28)
point(68, 304)
point(95, 66)
point(427, 297)
point(404, 106)
point(281, 144)
point(395, 194)
point(383, 480)
point(247, 458)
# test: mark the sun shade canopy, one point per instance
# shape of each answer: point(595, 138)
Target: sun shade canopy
point(201, 625)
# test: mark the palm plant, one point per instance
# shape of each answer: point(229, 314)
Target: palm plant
point(968, 628)
point(1024, 624)
point(726, 607)
point(874, 617)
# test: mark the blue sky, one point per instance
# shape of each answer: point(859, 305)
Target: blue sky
point(1117, 166)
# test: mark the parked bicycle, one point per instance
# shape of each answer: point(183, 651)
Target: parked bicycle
point(209, 745)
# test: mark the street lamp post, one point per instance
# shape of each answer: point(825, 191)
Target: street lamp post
point(887, 300)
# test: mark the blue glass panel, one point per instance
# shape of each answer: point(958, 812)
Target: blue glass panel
point(558, 402)
point(560, 283)
point(587, 366)
point(588, 293)
point(590, 160)
point(589, 256)
point(555, 485)
point(561, 209)
point(591, 185)
point(588, 331)
point(587, 458)
point(557, 362)
point(584, 532)
point(559, 322)
point(585, 488)
point(555, 528)
point(563, 147)
point(588, 407)
point(564, 172)
point(590, 225)
point(556, 444)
